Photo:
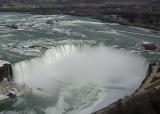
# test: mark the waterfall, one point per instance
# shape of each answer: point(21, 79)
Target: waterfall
point(23, 70)
point(81, 80)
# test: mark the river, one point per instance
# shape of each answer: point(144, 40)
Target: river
point(74, 65)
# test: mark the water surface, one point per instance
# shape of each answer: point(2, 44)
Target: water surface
point(74, 66)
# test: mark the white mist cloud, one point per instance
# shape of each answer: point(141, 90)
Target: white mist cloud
point(82, 77)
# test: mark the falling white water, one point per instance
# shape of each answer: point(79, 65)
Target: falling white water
point(81, 80)
point(24, 70)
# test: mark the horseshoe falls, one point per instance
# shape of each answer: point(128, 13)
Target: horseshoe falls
point(74, 66)
point(81, 78)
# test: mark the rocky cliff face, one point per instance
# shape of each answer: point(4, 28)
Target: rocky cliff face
point(5, 70)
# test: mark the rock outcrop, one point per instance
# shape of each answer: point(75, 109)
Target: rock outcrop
point(51, 22)
point(5, 71)
point(149, 46)
point(12, 26)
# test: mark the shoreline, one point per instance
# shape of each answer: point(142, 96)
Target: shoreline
point(118, 17)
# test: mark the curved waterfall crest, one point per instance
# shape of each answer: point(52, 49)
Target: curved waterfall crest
point(81, 78)
point(22, 70)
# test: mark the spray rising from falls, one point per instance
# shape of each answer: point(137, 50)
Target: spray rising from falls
point(81, 79)
point(25, 70)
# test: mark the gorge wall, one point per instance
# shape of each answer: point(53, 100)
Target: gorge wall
point(5, 70)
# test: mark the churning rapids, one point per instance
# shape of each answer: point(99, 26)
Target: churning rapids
point(75, 65)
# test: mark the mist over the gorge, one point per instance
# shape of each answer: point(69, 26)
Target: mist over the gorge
point(73, 65)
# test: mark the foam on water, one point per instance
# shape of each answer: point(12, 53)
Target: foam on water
point(73, 22)
point(82, 79)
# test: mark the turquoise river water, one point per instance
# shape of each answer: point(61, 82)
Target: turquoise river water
point(75, 65)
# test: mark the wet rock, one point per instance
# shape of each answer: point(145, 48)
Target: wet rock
point(149, 46)
point(38, 47)
point(11, 94)
point(50, 22)
point(9, 90)
point(5, 70)
point(13, 26)
point(39, 89)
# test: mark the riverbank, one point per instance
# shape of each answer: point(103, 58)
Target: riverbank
point(139, 14)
